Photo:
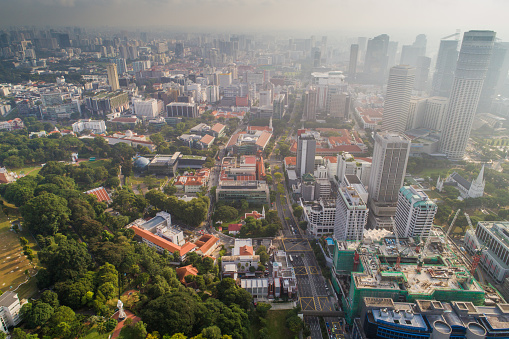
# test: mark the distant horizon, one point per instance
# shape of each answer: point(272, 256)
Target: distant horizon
point(402, 20)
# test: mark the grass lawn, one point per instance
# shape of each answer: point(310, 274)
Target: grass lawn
point(126, 333)
point(13, 263)
point(94, 164)
point(32, 170)
point(434, 194)
point(276, 325)
point(93, 334)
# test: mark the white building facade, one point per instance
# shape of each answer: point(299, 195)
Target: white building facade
point(95, 126)
point(415, 213)
point(351, 212)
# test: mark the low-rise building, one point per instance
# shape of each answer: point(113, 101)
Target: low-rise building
point(94, 126)
point(10, 307)
point(101, 194)
point(493, 236)
point(256, 192)
point(131, 139)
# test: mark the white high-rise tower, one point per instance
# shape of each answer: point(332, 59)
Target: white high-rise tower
point(471, 69)
point(397, 99)
point(415, 212)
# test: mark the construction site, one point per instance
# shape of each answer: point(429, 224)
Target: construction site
point(382, 265)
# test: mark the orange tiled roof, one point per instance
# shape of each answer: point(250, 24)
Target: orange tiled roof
point(186, 248)
point(208, 241)
point(291, 161)
point(263, 139)
point(163, 243)
point(207, 139)
point(218, 127)
point(100, 193)
point(182, 272)
point(246, 250)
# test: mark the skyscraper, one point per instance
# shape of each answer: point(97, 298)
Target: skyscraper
point(310, 98)
point(306, 148)
point(473, 61)
point(397, 99)
point(354, 57)
point(376, 57)
point(351, 212)
point(410, 53)
point(390, 157)
point(415, 212)
point(497, 71)
point(422, 73)
point(113, 76)
point(121, 66)
point(444, 68)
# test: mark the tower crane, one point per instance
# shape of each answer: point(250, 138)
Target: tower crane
point(478, 249)
point(398, 260)
point(356, 258)
point(456, 35)
point(452, 224)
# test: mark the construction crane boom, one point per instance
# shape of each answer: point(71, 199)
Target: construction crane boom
point(452, 224)
point(398, 260)
point(478, 249)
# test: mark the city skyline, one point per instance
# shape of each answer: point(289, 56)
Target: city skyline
point(269, 16)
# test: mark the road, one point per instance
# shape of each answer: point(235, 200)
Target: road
point(314, 294)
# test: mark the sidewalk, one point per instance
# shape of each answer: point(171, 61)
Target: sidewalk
point(283, 306)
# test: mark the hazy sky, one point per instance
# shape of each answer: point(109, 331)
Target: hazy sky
point(401, 19)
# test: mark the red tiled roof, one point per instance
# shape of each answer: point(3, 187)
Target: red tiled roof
point(218, 128)
point(187, 247)
point(246, 250)
point(130, 120)
point(339, 149)
point(208, 240)
point(100, 193)
point(291, 161)
point(249, 159)
point(253, 214)
point(234, 138)
point(207, 139)
point(234, 227)
point(332, 159)
point(163, 243)
point(182, 272)
point(263, 139)
point(259, 128)
point(365, 159)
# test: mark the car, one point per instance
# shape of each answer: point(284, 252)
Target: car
point(327, 324)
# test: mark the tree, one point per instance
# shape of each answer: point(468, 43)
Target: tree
point(262, 309)
point(225, 213)
point(278, 177)
point(262, 252)
point(36, 315)
point(60, 321)
point(297, 212)
point(294, 324)
point(303, 225)
point(110, 325)
point(244, 205)
point(46, 214)
point(68, 259)
point(212, 332)
point(170, 313)
point(170, 189)
point(128, 203)
point(50, 298)
point(269, 179)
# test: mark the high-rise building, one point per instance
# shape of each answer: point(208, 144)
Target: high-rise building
point(397, 99)
point(113, 76)
point(444, 68)
point(306, 149)
point(146, 108)
point(497, 71)
point(121, 66)
point(392, 50)
point(415, 212)
point(435, 113)
point(375, 63)
point(351, 212)
point(354, 57)
point(390, 158)
point(310, 101)
point(473, 61)
point(422, 73)
point(416, 113)
point(179, 49)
